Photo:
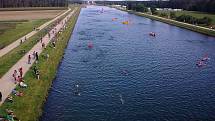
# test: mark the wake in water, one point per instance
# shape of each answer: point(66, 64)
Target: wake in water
point(58, 91)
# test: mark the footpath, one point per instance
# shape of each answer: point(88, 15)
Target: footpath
point(7, 81)
point(16, 43)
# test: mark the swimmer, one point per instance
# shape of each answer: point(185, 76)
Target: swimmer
point(205, 58)
point(152, 34)
point(90, 45)
point(200, 63)
point(122, 101)
point(125, 72)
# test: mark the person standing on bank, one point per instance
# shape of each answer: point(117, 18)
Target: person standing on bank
point(20, 71)
point(37, 57)
point(0, 96)
point(29, 59)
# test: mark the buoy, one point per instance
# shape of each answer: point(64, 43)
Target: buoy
point(90, 45)
point(125, 22)
point(114, 19)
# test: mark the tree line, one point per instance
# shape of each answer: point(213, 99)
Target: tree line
point(32, 3)
point(191, 5)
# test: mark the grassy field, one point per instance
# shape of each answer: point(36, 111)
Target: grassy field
point(192, 13)
point(33, 8)
point(13, 30)
point(8, 60)
point(29, 107)
point(29, 14)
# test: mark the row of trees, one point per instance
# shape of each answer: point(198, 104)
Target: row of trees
point(182, 18)
point(191, 5)
point(32, 3)
point(142, 8)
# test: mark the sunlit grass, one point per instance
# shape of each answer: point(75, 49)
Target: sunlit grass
point(12, 30)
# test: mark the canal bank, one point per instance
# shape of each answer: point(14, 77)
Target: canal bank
point(191, 27)
point(29, 106)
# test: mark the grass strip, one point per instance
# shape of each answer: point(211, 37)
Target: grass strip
point(20, 29)
point(29, 107)
point(8, 60)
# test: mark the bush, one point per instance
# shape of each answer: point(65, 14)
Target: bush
point(141, 8)
point(172, 15)
point(192, 20)
point(163, 15)
point(153, 9)
point(205, 20)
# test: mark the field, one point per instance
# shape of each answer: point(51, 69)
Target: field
point(12, 30)
point(29, 15)
point(15, 24)
point(9, 59)
point(192, 13)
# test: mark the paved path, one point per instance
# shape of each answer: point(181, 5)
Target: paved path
point(7, 81)
point(15, 44)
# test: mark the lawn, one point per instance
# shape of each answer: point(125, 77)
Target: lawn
point(197, 15)
point(13, 30)
point(192, 13)
point(29, 107)
point(8, 60)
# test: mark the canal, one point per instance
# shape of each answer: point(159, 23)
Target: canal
point(117, 72)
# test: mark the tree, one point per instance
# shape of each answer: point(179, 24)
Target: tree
point(153, 9)
point(163, 15)
point(172, 15)
point(141, 8)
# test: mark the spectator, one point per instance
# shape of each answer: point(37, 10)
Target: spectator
point(29, 59)
point(37, 57)
point(0, 96)
point(20, 72)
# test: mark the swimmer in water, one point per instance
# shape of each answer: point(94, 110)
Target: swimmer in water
point(125, 72)
point(121, 99)
point(77, 90)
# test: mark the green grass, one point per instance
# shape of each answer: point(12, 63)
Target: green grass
point(29, 107)
point(8, 60)
point(11, 31)
point(192, 13)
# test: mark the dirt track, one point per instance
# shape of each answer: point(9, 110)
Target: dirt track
point(29, 15)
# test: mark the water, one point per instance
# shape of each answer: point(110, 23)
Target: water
point(128, 75)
